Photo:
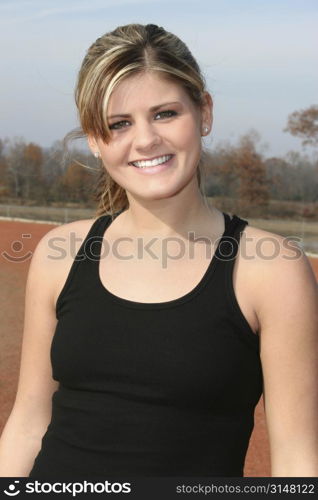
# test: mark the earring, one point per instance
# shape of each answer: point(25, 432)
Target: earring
point(96, 154)
point(206, 129)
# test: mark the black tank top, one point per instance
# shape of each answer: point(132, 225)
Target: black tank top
point(151, 389)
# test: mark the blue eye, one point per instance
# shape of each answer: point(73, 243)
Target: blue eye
point(117, 125)
point(168, 111)
point(114, 126)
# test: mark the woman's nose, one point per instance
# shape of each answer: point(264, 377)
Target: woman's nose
point(146, 135)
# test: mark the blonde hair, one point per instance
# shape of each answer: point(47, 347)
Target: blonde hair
point(129, 50)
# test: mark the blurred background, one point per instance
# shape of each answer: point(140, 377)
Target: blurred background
point(260, 64)
point(259, 61)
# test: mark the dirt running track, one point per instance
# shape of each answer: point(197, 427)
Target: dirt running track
point(15, 242)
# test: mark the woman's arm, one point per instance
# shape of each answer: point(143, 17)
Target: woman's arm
point(31, 413)
point(287, 310)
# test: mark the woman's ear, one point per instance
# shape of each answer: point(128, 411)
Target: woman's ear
point(92, 144)
point(207, 111)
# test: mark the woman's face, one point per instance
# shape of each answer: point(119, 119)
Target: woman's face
point(173, 128)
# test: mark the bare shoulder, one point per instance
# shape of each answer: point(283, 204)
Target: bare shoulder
point(262, 251)
point(78, 228)
point(266, 246)
point(277, 269)
point(63, 242)
point(57, 250)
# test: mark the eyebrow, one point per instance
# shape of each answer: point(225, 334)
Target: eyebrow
point(153, 108)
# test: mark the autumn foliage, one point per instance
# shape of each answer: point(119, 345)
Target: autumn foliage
point(239, 173)
point(304, 124)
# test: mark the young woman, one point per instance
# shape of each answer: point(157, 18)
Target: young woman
point(146, 352)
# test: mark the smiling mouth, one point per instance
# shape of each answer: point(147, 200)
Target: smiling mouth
point(151, 163)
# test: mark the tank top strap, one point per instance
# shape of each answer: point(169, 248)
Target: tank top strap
point(88, 255)
point(229, 243)
point(91, 247)
point(226, 254)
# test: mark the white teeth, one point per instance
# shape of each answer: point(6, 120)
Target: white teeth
point(152, 163)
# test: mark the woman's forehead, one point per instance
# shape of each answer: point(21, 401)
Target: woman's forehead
point(144, 90)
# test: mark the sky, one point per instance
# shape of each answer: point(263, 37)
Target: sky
point(258, 58)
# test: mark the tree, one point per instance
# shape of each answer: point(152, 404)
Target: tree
point(15, 162)
point(221, 175)
point(3, 171)
point(278, 174)
point(24, 169)
point(76, 183)
point(33, 159)
point(304, 124)
point(253, 188)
